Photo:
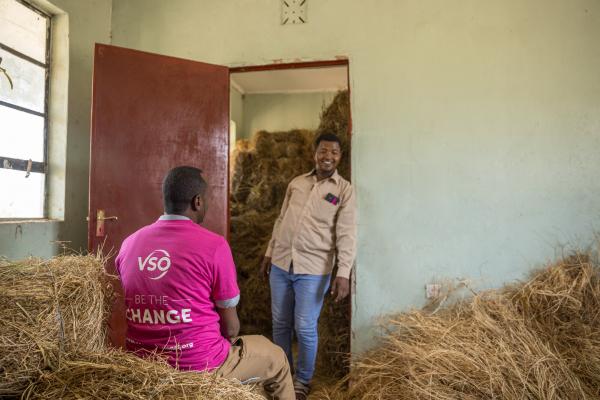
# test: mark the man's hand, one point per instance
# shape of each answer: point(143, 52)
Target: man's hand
point(265, 267)
point(340, 288)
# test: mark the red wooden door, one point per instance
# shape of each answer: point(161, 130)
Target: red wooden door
point(151, 113)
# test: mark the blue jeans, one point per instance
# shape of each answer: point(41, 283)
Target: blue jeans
point(296, 301)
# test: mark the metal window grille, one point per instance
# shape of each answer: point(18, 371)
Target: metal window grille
point(28, 165)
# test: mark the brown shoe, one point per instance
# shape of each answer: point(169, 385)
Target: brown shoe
point(301, 390)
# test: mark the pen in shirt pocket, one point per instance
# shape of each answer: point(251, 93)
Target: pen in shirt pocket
point(333, 199)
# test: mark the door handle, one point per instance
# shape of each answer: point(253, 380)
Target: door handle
point(103, 218)
point(100, 218)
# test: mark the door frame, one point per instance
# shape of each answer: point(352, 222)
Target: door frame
point(314, 64)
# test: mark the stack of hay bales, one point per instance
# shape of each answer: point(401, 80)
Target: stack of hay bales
point(52, 340)
point(262, 169)
point(535, 340)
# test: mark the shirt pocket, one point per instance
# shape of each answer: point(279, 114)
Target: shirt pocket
point(325, 212)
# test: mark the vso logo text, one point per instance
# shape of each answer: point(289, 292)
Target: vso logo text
point(159, 261)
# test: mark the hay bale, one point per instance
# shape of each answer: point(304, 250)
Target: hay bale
point(293, 150)
point(48, 309)
point(242, 175)
point(263, 143)
point(534, 340)
point(119, 375)
point(242, 145)
point(334, 338)
point(299, 136)
point(280, 150)
point(253, 216)
point(267, 170)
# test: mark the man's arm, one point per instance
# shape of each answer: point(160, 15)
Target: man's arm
point(225, 291)
point(345, 244)
point(229, 322)
point(265, 266)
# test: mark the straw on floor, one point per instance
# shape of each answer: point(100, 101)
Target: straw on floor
point(535, 340)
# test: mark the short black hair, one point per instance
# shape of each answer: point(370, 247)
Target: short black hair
point(179, 188)
point(327, 137)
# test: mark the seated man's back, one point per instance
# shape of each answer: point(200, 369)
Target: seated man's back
point(179, 288)
point(172, 273)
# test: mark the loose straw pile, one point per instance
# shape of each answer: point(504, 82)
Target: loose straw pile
point(535, 340)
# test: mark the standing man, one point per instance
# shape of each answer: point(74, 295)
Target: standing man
point(180, 294)
point(316, 227)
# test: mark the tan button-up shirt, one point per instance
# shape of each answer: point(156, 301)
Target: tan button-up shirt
point(312, 231)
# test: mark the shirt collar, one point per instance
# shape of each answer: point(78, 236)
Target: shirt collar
point(335, 177)
point(173, 217)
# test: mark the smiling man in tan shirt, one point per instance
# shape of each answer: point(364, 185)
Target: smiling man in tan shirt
point(316, 227)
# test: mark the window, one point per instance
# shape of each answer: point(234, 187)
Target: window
point(24, 76)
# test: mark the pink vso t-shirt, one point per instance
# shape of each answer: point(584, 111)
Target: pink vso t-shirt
point(172, 273)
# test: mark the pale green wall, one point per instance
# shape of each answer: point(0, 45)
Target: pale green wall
point(236, 109)
point(89, 22)
point(283, 111)
point(476, 124)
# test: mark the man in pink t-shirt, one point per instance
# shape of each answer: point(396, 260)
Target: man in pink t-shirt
point(180, 294)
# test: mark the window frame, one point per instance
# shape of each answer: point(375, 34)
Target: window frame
point(22, 164)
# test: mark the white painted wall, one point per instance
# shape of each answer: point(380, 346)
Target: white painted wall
point(476, 124)
point(89, 22)
point(283, 111)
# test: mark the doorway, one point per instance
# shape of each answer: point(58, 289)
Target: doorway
point(276, 112)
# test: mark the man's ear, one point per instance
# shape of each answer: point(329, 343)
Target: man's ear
point(196, 203)
point(199, 202)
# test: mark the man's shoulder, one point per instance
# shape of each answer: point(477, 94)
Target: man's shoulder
point(134, 238)
point(209, 241)
point(301, 176)
point(208, 236)
point(300, 179)
point(344, 182)
point(345, 187)
point(137, 233)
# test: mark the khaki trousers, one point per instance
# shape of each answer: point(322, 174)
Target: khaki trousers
point(255, 359)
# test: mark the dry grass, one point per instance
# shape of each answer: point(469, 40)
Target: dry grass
point(261, 174)
point(52, 340)
point(119, 375)
point(534, 340)
point(48, 309)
